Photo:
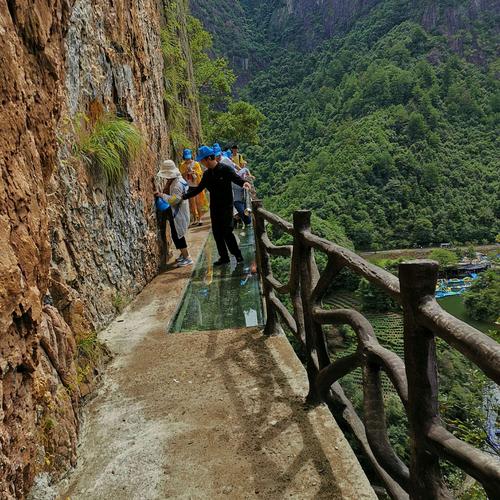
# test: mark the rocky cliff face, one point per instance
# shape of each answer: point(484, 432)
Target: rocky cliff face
point(305, 24)
point(317, 20)
point(458, 22)
point(104, 238)
point(72, 249)
point(312, 21)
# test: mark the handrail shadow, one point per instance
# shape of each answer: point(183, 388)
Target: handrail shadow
point(253, 357)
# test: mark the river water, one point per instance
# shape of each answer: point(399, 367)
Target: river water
point(491, 401)
point(454, 304)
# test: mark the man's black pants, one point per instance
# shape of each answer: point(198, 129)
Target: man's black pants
point(222, 227)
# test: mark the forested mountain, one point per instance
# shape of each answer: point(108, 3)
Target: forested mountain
point(382, 116)
point(239, 34)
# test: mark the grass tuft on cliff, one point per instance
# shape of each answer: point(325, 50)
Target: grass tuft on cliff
point(110, 144)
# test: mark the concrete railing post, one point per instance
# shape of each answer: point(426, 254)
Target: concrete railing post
point(308, 278)
point(272, 326)
point(418, 284)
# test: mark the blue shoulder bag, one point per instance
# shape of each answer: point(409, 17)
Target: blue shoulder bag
point(161, 204)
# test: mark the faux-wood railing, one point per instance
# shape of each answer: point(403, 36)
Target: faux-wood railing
point(415, 380)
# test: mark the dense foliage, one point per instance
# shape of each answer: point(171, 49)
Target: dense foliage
point(224, 119)
point(210, 85)
point(178, 86)
point(239, 32)
point(444, 257)
point(385, 131)
point(388, 133)
point(482, 301)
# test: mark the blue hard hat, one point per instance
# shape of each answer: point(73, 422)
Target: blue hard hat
point(217, 149)
point(228, 154)
point(203, 152)
point(187, 154)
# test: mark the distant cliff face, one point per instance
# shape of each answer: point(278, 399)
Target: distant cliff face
point(312, 21)
point(457, 21)
point(305, 24)
point(72, 249)
point(317, 20)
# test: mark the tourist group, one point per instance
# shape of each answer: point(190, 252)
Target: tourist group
point(181, 198)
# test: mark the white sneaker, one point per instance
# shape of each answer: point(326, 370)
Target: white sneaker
point(179, 259)
point(185, 262)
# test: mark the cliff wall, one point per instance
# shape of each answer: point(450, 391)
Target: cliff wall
point(315, 20)
point(73, 249)
point(471, 26)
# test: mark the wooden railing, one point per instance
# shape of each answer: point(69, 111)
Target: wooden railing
point(415, 379)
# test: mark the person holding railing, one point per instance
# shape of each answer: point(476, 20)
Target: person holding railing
point(217, 179)
point(240, 196)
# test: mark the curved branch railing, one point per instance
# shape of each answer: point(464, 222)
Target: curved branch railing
point(415, 380)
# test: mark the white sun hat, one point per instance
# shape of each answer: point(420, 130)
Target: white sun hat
point(168, 170)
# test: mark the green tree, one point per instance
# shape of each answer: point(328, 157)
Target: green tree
point(374, 298)
point(470, 252)
point(214, 79)
point(417, 128)
point(482, 301)
point(371, 120)
point(423, 231)
point(444, 257)
point(223, 119)
point(241, 123)
point(178, 86)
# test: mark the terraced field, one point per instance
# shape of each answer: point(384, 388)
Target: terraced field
point(388, 328)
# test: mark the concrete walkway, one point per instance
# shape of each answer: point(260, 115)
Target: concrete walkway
point(205, 415)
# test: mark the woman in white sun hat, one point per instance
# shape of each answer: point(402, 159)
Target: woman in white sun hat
point(170, 186)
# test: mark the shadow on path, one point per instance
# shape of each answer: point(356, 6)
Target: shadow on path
point(272, 412)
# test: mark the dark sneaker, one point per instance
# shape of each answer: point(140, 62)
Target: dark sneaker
point(221, 262)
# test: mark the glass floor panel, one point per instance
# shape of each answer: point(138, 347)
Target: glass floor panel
point(222, 297)
point(206, 271)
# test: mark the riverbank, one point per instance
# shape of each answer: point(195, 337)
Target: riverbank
point(420, 253)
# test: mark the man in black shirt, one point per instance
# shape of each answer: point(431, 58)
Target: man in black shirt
point(217, 179)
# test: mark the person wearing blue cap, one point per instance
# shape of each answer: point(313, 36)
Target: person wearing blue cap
point(221, 157)
point(218, 179)
point(192, 173)
point(239, 194)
